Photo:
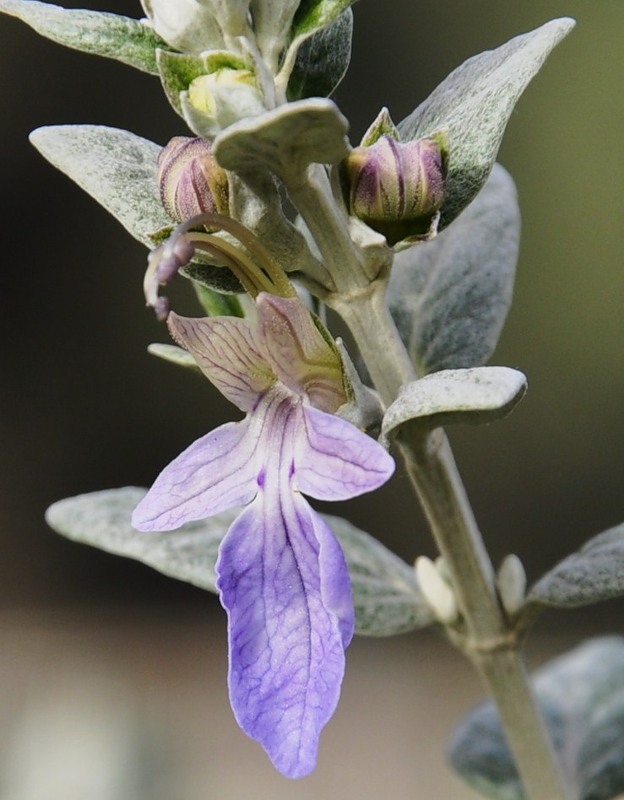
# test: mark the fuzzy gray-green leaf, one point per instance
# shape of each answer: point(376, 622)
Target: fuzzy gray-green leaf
point(272, 25)
point(313, 15)
point(385, 590)
point(386, 595)
point(286, 140)
point(449, 297)
point(117, 168)
point(322, 60)
point(473, 105)
point(173, 354)
point(594, 573)
point(473, 396)
point(102, 519)
point(122, 38)
point(581, 695)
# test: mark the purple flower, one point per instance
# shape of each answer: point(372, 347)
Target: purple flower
point(282, 576)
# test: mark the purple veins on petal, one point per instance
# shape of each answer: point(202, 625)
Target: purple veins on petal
point(285, 586)
point(224, 350)
point(215, 473)
point(282, 576)
point(335, 460)
point(298, 353)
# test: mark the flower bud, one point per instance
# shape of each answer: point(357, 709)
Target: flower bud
point(398, 188)
point(187, 25)
point(436, 591)
point(190, 180)
point(226, 95)
point(512, 582)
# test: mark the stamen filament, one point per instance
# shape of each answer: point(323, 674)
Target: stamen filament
point(281, 284)
point(249, 274)
point(263, 274)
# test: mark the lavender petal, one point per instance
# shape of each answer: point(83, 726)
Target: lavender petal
point(217, 472)
point(298, 353)
point(285, 586)
point(335, 460)
point(225, 351)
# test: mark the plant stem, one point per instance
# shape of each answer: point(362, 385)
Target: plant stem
point(489, 641)
point(328, 224)
point(367, 315)
point(487, 637)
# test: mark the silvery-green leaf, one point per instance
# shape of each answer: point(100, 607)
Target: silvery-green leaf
point(473, 105)
point(97, 32)
point(382, 125)
point(117, 168)
point(173, 354)
point(102, 519)
point(322, 60)
point(450, 296)
point(231, 15)
point(272, 26)
point(479, 395)
point(313, 15)
point(286, 140)
point(594, 573)
point(385, 590)
point(213, 278)
point(386, 595)
point(582, 697)
point(176, 71)
point(256, 201)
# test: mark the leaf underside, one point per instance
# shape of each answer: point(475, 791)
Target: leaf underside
point(581, 695)
point(594, 573)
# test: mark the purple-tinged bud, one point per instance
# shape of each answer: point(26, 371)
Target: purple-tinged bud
point(398, 188)
point(190, 180)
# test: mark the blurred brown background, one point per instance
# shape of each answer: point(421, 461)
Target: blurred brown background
point(82, 407)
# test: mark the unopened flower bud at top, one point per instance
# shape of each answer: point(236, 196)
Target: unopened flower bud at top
point(398, 188)
point(187, 25)
point(190, 180)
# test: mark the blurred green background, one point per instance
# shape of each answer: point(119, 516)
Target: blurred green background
point(82, 407)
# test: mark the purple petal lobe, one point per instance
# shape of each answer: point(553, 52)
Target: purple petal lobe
point(224, 349)
point(335, 580)
point(299, 355)
point(335, 460)
point(284, 584)
point(216, 472)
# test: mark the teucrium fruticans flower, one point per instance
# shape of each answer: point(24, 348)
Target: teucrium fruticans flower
point(281, 574)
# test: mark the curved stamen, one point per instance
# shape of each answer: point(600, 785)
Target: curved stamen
point(165, 261)
point(281, 284)
point(252, 278)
